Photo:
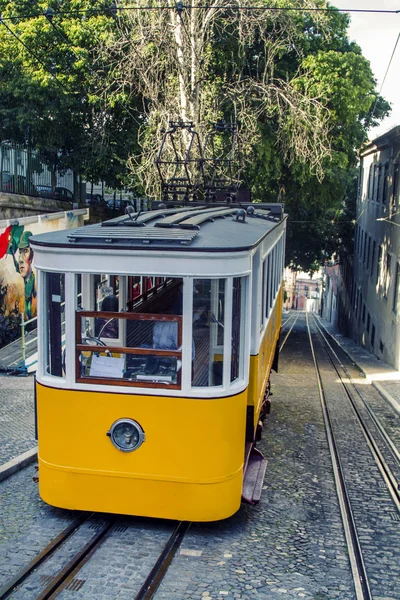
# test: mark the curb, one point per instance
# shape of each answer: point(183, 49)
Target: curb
point(386, 396)
point(18, 463)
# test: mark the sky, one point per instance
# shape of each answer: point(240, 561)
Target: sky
point(376, 34)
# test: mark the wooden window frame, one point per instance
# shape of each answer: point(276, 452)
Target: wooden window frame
point(80, 347)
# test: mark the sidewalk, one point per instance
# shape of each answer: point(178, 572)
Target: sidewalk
point(381, 375)
point(17, 423)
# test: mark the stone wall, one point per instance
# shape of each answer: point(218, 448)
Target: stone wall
point(15, 206)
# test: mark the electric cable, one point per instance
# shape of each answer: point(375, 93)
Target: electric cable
point(387, 70)
point(35, 56)
point(105, 10)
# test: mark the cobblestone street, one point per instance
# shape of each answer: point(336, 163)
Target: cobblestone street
point(291, 545)
point(17, 423)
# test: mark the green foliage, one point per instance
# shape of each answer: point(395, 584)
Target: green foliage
point(321, 214)
point(58, 92)
point(49, 93)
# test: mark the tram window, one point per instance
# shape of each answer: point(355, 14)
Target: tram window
point(237, 304)
point(208, 332)
point(141, 346)
point(151, 355)
point(264, 308)
point(55, 302)
point(270, 278)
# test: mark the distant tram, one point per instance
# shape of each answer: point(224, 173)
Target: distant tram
point(157, 335)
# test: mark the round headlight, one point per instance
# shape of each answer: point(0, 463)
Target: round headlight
point(126, 435)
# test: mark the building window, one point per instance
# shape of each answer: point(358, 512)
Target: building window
point(396, 289)
point(379, 265)
point(395, 188)
point(368, 251)
point(377, 179)
point(365, 247)
point(387, 276)
point(361, 184)
point(370, 181)
point(373, 256)
point(356, 239)
point(385, 183)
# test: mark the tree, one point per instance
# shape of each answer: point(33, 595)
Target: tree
point(300, 91)
point(97, 85)
point(202, 63)
point(48, 93)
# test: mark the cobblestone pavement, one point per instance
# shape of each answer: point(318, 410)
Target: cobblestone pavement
point(17, 424)
point(26, 523)
point(374, 511)
point(291, 545)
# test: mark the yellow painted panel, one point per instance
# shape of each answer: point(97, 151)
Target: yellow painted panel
point(190, 466)
point(186, 439)
point(149, 498)
point(260, 365)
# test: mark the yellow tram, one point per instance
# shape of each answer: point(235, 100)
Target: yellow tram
point(157, 335)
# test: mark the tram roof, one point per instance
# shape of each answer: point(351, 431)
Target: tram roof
point(195, 228)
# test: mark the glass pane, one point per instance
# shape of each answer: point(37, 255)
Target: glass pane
point(208, 332)
point(155, 295)
point(236, 327)
point(264, 294)
point(79, 303)
point(150, 352)
point(149, 369)
point(106, 299)
point(56, 323)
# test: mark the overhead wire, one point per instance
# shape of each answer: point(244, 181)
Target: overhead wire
point(384, 79)
point(32, 53)
point(105, 10)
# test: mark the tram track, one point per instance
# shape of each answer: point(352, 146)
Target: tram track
point(361, 583)
point(291, 320)
point(365, 462)
point(18, 579)
point(64, 578)
point(384, 450)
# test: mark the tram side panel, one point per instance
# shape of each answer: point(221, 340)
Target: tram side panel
point(190, 466)
point(261, 364)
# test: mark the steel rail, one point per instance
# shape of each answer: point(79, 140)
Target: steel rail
point(361, 584)
point(62, 578)
point(386, 472)
point(288, 333)
point(20, 577)
point(157, 573)
point(382, 430)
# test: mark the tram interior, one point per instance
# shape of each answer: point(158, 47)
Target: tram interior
point(129, 330)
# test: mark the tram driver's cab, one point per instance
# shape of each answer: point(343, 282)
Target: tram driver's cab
point(146, 331)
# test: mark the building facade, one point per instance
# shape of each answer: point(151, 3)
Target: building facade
point(375, 291)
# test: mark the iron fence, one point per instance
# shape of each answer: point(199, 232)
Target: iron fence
point(22, 171)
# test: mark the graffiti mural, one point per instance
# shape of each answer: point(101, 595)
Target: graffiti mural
point(17, 273)
point(17, 281)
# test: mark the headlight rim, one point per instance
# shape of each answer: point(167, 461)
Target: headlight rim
point(136, 425)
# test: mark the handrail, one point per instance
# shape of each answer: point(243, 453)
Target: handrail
point(24, 344)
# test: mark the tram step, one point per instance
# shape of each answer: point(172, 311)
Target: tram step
point(254, 477)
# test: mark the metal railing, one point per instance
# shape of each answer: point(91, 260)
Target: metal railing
point(22, 171)
point(25, 343)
